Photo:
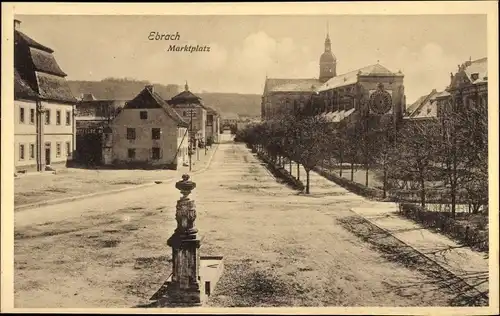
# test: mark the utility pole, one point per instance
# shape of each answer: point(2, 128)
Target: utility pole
point(190, 151)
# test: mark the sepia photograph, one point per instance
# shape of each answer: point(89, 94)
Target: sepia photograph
point(328, 159)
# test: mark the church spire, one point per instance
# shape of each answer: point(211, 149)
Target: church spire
point(328, 43)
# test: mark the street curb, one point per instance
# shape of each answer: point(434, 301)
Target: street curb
point(91, 195)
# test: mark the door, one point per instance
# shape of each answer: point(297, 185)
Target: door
point(47, 154)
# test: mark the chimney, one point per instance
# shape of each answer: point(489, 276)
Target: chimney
point(17, 24)
point(150, 87)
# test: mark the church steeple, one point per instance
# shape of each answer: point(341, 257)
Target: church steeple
point(327, 61)
point(328, 43)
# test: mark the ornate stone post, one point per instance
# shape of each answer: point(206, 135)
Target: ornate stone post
point(184, 287)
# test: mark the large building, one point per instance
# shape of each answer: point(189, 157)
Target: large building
point(370, 91)
point(468, 88)
point(44, 129)
point(146, 133)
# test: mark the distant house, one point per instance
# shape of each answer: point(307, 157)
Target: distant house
point(229, 121)
point(212, 125)
point(92, 116)
point(146, 133)
point(44, 129)
point(192, 110)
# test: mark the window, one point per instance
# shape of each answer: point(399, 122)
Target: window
point(189, 113)
point(21, 152)
point(68, 149)
point(47, 117)
point(68, 118)
point(32, 151)
point(156, 153)
point(130, 133)
point(144, 115)
point(58, 149)
point(21, 115)
point(131, 153)
point(210, 119)
point(156, 133)
point(32, 116)
point(58, 117)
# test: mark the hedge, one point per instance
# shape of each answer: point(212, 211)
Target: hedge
point(282, 173)
point(433, 196)
point(446, 225)
point(352, 186)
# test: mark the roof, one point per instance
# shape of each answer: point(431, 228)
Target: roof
point(20, 36)
point(211, 110)
point(352, 76)
point(52, 87)
point(21, 88)
point(185, 97)
point(480, 67)
point(337, 116)
point(291, 85)
point(88, 97)
point(97, 107)
point(441, 94)
point(147, 99)
point(45, 62)
point(37, 68)
point(425, 106)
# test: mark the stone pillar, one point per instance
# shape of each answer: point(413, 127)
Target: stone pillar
point(184, 287)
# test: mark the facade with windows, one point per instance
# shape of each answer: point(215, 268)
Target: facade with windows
point(44, 126)
point(146, 133)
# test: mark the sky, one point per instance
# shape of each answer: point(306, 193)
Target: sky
point(244, 49)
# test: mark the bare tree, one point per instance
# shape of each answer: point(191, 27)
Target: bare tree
point(415, 152)
point(311, 138)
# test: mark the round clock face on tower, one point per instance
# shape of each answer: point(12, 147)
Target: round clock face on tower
point(380, 102)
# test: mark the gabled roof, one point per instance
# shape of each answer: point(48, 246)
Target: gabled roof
point(352, 76)
point(38, 68)
point(148, 99)
point(290, 85)
point(425, 106)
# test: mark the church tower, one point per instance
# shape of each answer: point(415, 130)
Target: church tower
point(327, 61)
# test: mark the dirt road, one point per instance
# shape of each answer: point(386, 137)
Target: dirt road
point(280, 248)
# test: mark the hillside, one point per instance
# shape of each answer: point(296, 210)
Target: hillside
point(126, 89)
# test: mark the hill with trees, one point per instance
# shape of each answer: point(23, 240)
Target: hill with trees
point(127, 89)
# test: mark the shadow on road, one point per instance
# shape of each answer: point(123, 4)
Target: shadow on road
point(439, 277)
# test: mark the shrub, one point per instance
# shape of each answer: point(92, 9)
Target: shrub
point(354, 187)
point(460, 231)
